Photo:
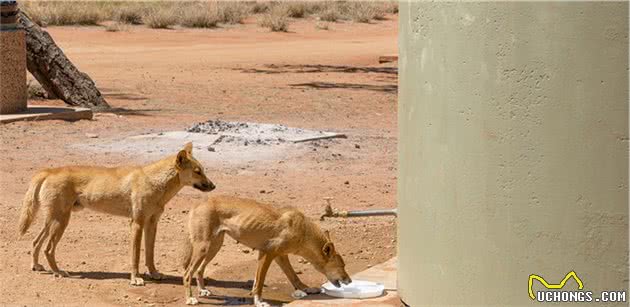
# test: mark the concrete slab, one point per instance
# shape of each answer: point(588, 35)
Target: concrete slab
point(47, 113)
point(384, 273)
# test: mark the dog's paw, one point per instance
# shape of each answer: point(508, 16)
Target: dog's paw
point(37, 267)
point(262, 304)
point(192, 301)
point(136, 281)
point(60, 274)
point(298, 294)
point(156, 275)
point(259, 302)
point(312, 290)
point(204, 292)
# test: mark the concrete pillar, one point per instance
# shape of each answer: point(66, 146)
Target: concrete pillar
point(513, 152)
point(12, 64)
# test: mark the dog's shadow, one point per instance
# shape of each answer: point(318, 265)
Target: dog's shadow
point(228, 300)
point(166, 279)
point(218, 300)
point(97, 275)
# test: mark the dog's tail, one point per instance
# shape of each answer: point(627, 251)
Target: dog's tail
point(187, 252)
point(30, 204)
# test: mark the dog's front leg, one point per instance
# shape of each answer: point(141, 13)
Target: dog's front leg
point(264, 260)
point(136, 238)
point(150, 230)
point(284, 263)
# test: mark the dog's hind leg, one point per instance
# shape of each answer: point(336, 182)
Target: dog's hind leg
point(200, 250)
point(37, 245)
point(215, 246)
point(48, 205)
point(58, 225)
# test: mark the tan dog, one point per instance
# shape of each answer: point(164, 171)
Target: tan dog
point(137, 192)
point(275, 233)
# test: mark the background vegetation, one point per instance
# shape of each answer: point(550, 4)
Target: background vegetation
point(274, 15)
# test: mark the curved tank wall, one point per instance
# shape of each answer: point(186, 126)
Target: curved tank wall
point(513, 150)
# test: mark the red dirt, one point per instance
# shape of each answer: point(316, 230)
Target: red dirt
point(169, 79)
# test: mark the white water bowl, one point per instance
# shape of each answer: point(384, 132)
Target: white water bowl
point(356, 289)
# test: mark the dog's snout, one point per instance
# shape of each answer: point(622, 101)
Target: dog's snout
point(205, 186)
point(347, 280)
point(336, 283)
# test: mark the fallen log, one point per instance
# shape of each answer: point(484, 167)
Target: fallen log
point(52, 69)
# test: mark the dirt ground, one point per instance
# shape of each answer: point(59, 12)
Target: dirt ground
point(166, 80)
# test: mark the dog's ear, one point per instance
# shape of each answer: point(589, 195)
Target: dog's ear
point(182, 159)
point(188, 148)
point(327, 234)
point(328, 250)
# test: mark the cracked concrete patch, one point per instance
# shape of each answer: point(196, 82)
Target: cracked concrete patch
point(215, 141)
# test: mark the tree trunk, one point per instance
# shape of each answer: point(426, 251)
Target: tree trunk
point(57, 75)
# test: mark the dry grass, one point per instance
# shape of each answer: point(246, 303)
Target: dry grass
point(129, 14)
point(322, 26)
point(36, 12)
point(276, 19)
point(160, 18)
point(63, 13)
point(261, 7)
point(329, 14)
point(35, 91)
point(116, 27)
point(295, 9)
point(165, 14)
point(365, 12)
point(201, 15)
point(391, 7)
point(233, 12)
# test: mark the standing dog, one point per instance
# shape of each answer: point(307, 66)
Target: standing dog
point(275, 233)
point(137, 192)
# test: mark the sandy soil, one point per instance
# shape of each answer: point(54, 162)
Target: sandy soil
point(167, 80)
